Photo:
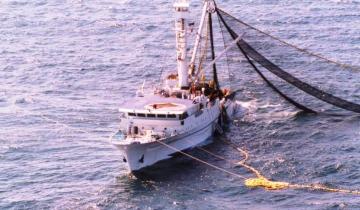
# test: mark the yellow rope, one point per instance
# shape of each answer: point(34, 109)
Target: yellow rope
point(262, 181)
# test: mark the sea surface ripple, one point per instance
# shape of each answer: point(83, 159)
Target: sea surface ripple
point(67, 65)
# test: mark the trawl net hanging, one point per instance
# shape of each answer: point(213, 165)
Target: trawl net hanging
point(318, 77)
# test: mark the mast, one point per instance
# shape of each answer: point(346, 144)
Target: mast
point(181, 22)
point(198, 37)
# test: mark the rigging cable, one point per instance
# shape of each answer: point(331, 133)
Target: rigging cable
point(234, 36)
point(276, 70)
point(305, 87)
point(356, 68)
point(213, 52)
point(227, 57)
point(203, 50)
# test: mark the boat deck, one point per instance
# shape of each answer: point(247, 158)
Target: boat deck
point(158, 104)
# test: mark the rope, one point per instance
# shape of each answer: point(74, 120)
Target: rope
point(203, 50)
point(271, 85)
point(356, 68)
point(201, 161)
point(260, 180)
point(227, 57)
point(250, 52)
point(305, 87)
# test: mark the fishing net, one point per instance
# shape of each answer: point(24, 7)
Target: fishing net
point(308, 81)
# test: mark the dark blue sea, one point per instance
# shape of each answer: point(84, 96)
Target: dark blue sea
point(67, 65)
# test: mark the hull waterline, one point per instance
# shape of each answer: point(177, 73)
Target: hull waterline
point(138, 156)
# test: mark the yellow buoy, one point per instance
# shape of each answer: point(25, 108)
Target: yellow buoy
point(265, 183)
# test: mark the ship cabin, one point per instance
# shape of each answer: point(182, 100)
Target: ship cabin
point(159, 114)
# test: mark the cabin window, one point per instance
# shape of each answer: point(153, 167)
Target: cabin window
point(151, 115)
point(141, 115)
point(161, 115)
point(131, 114)
point(171, 115)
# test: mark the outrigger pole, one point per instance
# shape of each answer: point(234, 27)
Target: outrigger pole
point(216, 80)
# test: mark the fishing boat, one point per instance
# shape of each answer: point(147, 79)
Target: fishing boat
point(184, 113)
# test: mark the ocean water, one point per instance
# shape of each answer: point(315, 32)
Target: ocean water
point(66, 65)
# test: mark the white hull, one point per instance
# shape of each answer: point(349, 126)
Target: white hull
point(179, 116)
point(138, 156)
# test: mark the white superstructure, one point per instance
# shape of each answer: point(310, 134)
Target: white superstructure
point(181, 24)
point(177, 122)
point(183, 114)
